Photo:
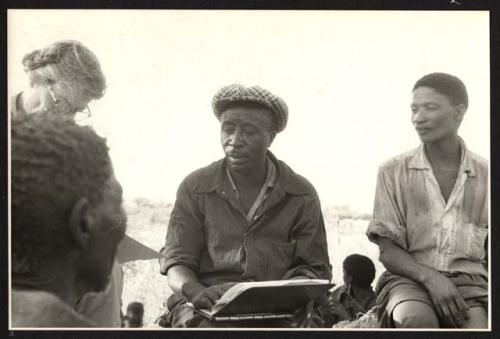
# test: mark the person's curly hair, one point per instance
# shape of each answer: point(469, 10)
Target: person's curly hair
point(69, 65)
point(54, 162)
point(361, 269)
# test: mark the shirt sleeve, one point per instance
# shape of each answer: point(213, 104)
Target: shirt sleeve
point(185, 237)
point(388, 221)
point(311, 250)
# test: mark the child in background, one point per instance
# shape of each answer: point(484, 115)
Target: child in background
point(134, 316)
point(356, 296)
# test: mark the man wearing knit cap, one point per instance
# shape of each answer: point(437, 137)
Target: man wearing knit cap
point(246, 217)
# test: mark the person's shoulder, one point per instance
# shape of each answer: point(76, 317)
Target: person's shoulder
point(203, 176)
point(294, 182)
point(479, 162)
point(399, 161)
point(32, 308)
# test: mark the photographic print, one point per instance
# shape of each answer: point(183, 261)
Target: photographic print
point(249, 169)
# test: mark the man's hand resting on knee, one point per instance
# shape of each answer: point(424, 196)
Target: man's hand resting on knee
point(448, 302)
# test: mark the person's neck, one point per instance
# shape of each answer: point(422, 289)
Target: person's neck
point(359, 293)
point(252, 177)
point(55, 280)
point(446, 150)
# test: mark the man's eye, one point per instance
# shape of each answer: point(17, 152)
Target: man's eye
point(228, 129)
point(249, 131)
point(431, 107)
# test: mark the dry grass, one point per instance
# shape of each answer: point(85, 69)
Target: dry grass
point(148, 224)
point(368, 320)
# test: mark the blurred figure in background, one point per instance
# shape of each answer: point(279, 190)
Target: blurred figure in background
point(356, 296)
point(67, 220)
point(135, 314)
point(63, 77)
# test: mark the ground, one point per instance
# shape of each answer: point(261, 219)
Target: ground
point(148, 224)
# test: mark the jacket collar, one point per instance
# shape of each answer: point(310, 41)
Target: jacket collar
point(419, 160)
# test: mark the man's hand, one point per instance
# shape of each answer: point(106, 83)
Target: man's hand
point(338, 310)
point(448, 302)
point(201, 296)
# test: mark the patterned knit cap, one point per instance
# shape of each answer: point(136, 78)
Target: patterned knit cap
point(254, 94)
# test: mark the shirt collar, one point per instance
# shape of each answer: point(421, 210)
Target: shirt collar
point(268, 183)
point(419, 160)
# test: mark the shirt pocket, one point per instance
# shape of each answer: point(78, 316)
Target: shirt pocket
point(279, 259)
point(476, 238)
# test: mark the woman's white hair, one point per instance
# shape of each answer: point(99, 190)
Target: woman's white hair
point(71, 68)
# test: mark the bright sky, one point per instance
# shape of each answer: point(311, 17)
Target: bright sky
point(345, 75)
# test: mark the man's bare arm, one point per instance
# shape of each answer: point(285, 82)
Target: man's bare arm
point(448, 301)
point(178, 275)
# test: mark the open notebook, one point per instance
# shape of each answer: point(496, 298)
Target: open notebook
point(272, 299)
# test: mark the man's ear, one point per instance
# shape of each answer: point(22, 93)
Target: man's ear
point(460, 111)
point(81, 222)
point(271, 138)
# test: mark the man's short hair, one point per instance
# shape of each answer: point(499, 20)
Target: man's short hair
point(54, 162)
point(446, 84)
point(361, 269)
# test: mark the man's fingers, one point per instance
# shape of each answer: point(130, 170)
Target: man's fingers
point(221, 289)
point(206, 299)
point(438, 309)
point(445, 314)
point(212, 296)
point(458, 318)
point(202, 302)
point(462, 306)
point(217, 291)
point(228, 285)
point(448, 318)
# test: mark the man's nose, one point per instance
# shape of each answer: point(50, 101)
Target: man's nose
point(419, 116)
point(237, 138)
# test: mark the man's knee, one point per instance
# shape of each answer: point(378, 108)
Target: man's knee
point(415, 314)
point(478, 318)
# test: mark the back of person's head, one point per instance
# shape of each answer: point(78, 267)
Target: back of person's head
point(446, 84)
point(54, 162)
point(361, 269)
point(135, 313)
point(135, 308)
point(69, 66)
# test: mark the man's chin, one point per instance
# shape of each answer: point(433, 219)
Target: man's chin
point(238, 165)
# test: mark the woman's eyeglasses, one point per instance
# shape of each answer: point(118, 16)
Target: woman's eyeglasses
point(79, 114)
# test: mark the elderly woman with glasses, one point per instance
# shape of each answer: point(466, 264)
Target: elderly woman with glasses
point(64, 77)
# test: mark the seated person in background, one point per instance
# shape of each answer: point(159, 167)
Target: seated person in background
point(431, 219)
point(356, 296)
point(67, 220)
point(246, 217)
point(135, 313)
